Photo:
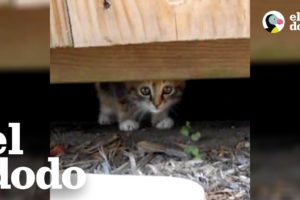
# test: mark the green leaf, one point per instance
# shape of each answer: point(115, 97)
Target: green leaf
point(195, 151)
point(196, 136)
point(198, 157)
point(188, 149)
point(185, 131)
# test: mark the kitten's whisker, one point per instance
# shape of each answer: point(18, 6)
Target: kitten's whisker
point(142, 115)
point(139, 113)
point(135, 114)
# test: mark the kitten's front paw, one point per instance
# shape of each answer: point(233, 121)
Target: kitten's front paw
point(105, 119)
point(128, 125)
point(165, 123)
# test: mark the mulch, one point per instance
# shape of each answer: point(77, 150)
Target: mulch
point(223, 170)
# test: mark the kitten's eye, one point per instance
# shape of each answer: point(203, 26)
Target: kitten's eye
point(168, 90)
point(145, 91)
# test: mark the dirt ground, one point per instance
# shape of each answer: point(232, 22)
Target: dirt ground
point(279, 178)
point(223, 168)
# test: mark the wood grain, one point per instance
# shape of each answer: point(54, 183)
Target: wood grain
point(213, 19)
point(145, 21)
point(174, 60)
point(59, 24)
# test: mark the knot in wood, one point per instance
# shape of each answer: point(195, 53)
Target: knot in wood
point(106, 4)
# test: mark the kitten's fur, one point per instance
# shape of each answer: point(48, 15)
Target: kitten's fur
point(127, 103)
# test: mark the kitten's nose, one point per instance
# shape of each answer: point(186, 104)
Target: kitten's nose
point(157, 102)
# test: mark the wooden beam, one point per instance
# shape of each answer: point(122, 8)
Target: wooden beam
point(24, 39)
point(174, 60)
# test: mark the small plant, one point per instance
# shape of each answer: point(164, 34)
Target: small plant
point(193, 136)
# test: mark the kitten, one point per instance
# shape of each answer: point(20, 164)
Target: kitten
point(127, 103)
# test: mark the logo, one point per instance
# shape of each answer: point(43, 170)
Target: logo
point(273, 22)
point(295, 19)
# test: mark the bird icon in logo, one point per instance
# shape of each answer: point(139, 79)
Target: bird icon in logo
point(271, 21)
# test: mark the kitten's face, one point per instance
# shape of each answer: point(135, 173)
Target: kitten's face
point(155, 96)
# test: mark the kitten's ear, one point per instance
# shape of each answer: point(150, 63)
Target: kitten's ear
point(131, 86)
point(180, 84)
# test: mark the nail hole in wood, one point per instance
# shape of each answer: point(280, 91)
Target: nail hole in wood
point(106, 4)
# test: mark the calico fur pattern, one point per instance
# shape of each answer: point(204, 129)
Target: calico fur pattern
point(128, 102)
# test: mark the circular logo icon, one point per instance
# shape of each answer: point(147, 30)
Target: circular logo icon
point(273, 22)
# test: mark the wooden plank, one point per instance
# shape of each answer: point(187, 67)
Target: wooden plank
point(174, 60)
point(284, 46)
point(144, 21)
point(126, 21)
point(24, 39)
point(59, 24)
point(213, 19)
